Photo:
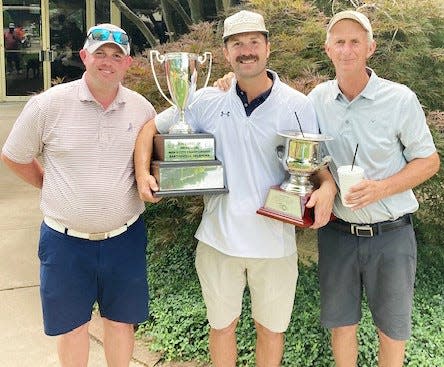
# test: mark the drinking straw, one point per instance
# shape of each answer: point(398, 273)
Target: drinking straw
point(300, 127)
point(354, 156)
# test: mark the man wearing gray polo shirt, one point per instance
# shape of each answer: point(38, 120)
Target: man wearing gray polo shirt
point(371, 246)
point(92, 241)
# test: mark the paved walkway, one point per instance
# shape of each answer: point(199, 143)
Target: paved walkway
point(22, 341)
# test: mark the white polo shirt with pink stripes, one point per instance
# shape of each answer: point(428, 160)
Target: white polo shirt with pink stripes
point(87, 154)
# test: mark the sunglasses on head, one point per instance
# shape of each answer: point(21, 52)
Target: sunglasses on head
point(100, 34)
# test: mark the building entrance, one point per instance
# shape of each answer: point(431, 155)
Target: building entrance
point(41, 43)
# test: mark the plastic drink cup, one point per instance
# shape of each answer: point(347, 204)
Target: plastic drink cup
point(349, 177)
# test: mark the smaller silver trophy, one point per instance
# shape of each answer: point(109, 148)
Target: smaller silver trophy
point(184, 162)
point(301, 158)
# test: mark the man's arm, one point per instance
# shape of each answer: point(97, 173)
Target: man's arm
point(146, 183)
point(31, 173)
point(414, 173)
point(323, 198)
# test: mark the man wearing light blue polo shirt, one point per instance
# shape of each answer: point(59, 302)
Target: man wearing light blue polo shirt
point(371, 246)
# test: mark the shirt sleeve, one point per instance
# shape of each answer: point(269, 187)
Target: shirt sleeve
point(24, 143)
point(413, 131)
point(166, 119)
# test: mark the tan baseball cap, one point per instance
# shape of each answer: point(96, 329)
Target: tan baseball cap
point(353, 15)
point(242, 22)
point(102, 34)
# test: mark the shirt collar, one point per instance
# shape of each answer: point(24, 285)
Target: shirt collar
point(85, 94)
point(369, 91)
point(263, 96)
point(251, 106)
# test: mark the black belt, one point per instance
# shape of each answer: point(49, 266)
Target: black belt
point(370, 230)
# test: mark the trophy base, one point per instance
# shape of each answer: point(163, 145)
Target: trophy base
point(189, 178)
point(184, 147)
point(303, 222)
point(287, 207)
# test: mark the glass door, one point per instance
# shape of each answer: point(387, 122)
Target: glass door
point(67, 31)
point(42, 40)
point(23, 56)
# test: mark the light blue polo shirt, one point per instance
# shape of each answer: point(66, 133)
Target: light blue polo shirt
point(388, 123)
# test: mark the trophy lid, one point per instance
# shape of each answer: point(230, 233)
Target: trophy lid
point(297, 135)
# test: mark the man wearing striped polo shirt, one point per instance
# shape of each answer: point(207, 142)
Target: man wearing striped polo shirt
point(92, 241)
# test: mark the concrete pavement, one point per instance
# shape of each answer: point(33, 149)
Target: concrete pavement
point(22, 341)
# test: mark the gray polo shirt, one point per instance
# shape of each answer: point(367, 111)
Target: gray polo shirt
point(87, 154)
point(388, 122)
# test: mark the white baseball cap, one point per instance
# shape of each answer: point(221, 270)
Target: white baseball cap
point(244, 21)
point(102, 34)
point(353, 15)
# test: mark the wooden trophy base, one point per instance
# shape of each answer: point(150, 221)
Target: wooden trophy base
point(287, 207)
point(185, 164)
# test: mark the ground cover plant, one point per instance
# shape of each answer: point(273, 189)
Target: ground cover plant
point(179, 329)
point(410, 38)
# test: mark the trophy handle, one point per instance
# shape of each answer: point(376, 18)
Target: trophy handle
point(161, 59)
point(280, 152)
point(202, 60)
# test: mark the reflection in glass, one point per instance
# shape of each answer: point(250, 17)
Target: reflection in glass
point(67, 33)
point(102, 11)
point(22, 48)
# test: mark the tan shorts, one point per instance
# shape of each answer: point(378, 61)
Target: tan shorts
point(272, 284)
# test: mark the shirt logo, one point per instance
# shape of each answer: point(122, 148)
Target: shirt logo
point(130, 127)
point(222, 113)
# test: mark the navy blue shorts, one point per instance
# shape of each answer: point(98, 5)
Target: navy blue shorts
point(383, 266)
point(75, 273)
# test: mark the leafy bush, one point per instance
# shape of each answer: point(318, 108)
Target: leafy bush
point(408, 33)
point(429, 219)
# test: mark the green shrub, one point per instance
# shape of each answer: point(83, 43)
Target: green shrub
point(179, 329)
point(409, 36)
point(429, 219)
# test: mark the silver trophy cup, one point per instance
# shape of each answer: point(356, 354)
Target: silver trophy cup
point(181, 70)
point(184, 162)
point(301, 158)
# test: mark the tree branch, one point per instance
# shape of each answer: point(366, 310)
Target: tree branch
point(136, 20)
point(179, 8)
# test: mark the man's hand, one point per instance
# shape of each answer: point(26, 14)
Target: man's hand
point(147, 185)
point(365, 193)
point(322, 199)
point(224, 83)
point(414, 173)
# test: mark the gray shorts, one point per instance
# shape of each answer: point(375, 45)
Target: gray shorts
point(384, 266)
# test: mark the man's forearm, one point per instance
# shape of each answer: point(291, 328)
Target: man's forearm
point(31, 173)
point(144, 148)
point(326, 181)
point(412, 175)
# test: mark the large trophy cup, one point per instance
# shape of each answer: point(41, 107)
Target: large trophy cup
point(301, 158)
point(184, 163)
